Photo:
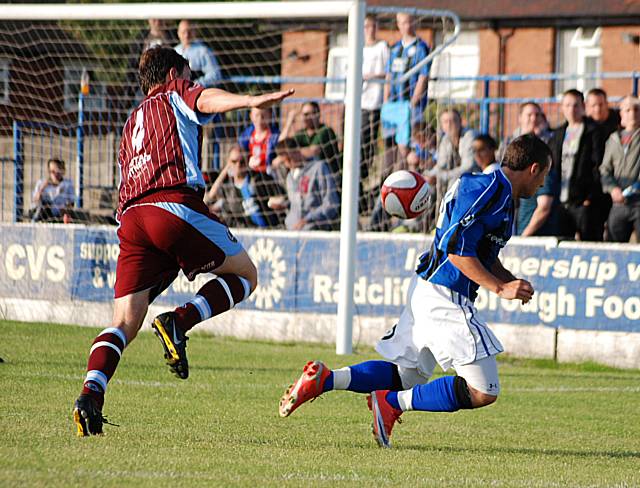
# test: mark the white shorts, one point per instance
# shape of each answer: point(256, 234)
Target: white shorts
point(440, 326)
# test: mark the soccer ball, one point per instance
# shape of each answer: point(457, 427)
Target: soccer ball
point(405, 194)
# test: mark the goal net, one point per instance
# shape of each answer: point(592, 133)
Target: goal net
point(68, 81)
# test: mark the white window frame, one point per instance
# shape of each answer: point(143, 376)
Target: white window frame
point(5, 75)
point(96, 100)
point(336, 68)
point(451, 55)
point(586, 48)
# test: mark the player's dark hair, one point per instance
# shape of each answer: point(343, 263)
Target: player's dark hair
point(155, 64)
point(58, 162)
point(523, 105)
point(598, 92)
point(487, 140)
point(526, 150)
point(574, 93)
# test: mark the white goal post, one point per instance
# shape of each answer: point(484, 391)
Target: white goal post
point(353, 10)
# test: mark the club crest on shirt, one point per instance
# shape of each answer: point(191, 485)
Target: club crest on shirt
point(467, 220)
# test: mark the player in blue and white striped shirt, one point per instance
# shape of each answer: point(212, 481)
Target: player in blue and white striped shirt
point(439, 324)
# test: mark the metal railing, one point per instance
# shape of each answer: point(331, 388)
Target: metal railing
point(92, 163)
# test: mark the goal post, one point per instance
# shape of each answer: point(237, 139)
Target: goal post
point(56, 119)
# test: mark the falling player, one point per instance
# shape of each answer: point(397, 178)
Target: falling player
point(439, 324)
point(165, 225)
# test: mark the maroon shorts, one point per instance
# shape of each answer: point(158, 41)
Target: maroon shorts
point(165, 232)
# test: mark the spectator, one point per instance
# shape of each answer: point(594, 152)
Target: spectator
point(455, 154)
point(484, 149)
point(375, 57)
point(542, 129)
point(531, 118)
point(204, 66)
point(597, 109)
point(423, 150)
point(316, 140)
point(405, 102)
point(577, 156)
point(312, 197)
point(259, 140)
point(240, 195)
point(620, 171)
point(54, 195)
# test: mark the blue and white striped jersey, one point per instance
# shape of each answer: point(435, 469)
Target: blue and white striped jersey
point(476, 219)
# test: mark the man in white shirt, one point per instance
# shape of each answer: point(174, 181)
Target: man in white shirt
point(374, 61)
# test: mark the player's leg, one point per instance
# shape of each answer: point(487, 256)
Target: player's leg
point(317, 379)
point(104, 356)
point(200, 244)
point(395, 346)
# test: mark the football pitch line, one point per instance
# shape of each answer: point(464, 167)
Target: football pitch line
point(265, 386)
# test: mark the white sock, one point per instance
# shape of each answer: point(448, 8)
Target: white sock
point(341, 378)
point(405, 399)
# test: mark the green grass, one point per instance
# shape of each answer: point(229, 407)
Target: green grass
point(554, 425)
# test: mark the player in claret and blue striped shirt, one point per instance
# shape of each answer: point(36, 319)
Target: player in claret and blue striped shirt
point(439, 324)
point(165, 226)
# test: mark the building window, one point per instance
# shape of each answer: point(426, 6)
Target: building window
point(96, 100)
point(462, 58)
point(4, 81)
point(579, 53)
point(336, 68)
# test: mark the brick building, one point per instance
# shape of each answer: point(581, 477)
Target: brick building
point(505, 37)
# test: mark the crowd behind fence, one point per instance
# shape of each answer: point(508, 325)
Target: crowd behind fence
point(90, 149)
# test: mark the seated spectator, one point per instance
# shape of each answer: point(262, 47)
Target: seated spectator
point(455, 156)
point(239, 195)
point(576, 159)
point(620, 173)
point(484, 154)
point(597, 110)
point(423, 147)
point(259, 140)
point(53, 196)
point(312, 198)
point(316, 140)
point(203, 63)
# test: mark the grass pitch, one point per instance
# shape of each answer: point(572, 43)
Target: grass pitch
point(554, 425)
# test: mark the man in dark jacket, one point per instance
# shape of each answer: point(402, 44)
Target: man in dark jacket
point(577, 149)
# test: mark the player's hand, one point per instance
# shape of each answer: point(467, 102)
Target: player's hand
point(269, 99)
point(517, 290)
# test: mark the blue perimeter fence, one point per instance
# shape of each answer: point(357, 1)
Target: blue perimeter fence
point(92, 158)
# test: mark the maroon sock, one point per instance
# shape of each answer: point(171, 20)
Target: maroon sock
point(103, 360)
point(216, 296)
